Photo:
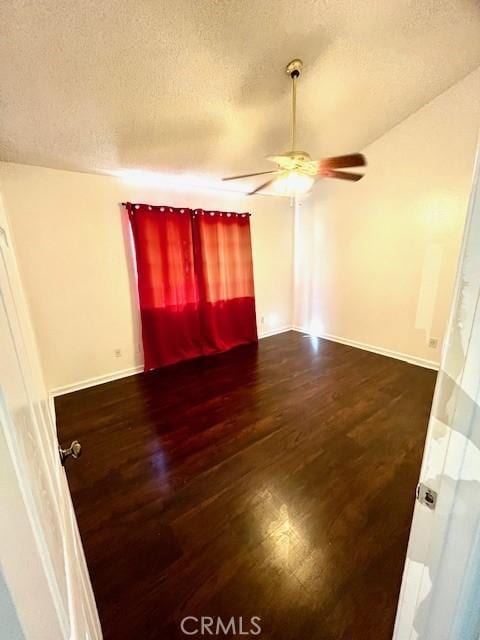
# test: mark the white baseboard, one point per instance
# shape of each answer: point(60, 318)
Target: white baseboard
point(124, 373)
point(406, 357)
point(274, 332)
point(92, 382)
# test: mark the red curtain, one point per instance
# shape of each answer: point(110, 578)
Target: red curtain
point(195, 281)
point(225, 275)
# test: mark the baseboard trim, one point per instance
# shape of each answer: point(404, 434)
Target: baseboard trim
point(124, 373)
point(397, 355)
point(274, 332)
point(93, 382)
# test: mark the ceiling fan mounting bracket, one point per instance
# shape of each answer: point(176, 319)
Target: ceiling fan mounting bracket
point(294, 68)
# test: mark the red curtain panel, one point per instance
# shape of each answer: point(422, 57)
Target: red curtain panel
point(167, 284)
point(225, 275)
point(195, 281)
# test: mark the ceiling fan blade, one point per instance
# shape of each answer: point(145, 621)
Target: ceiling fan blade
point(250, 175)
point(339, 162)
point(262, 186)
point(277, 159)
point(341, 175)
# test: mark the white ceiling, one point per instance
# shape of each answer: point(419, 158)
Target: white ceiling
point(199, 85)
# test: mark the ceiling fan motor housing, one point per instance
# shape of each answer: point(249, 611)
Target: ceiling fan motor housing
point(301, 156)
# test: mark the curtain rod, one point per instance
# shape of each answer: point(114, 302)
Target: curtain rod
point(164, 206)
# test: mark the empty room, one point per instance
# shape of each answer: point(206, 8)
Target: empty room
point(240, 320)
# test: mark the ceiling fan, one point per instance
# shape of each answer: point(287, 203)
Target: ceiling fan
point(297, 172)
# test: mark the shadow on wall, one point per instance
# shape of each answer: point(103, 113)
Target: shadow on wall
point(8, 615)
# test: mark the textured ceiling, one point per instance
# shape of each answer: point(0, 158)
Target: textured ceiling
point(199, 85)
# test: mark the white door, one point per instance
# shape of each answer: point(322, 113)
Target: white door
point(41, 554)
point(440, 593)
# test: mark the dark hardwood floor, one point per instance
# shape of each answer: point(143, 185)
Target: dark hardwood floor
point(275, 482)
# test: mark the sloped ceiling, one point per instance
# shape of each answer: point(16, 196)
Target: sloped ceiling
point(199, 85)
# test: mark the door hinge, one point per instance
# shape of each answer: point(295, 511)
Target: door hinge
point(426, 496)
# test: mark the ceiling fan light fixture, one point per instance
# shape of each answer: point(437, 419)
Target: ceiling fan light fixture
point(293, 183)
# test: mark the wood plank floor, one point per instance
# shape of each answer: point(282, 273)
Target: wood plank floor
point(275, 482)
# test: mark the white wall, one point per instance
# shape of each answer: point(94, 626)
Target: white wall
point(72, 243)
point(375, 261)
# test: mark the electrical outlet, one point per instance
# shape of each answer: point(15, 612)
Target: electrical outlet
point(262, 319)
point(433, 343)
point(117, 353)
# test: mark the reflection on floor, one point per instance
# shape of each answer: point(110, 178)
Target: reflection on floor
point(274, 482)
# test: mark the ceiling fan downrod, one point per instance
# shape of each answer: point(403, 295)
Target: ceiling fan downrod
point(293, 69)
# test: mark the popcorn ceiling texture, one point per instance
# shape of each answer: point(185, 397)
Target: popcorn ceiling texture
point(199, 85)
